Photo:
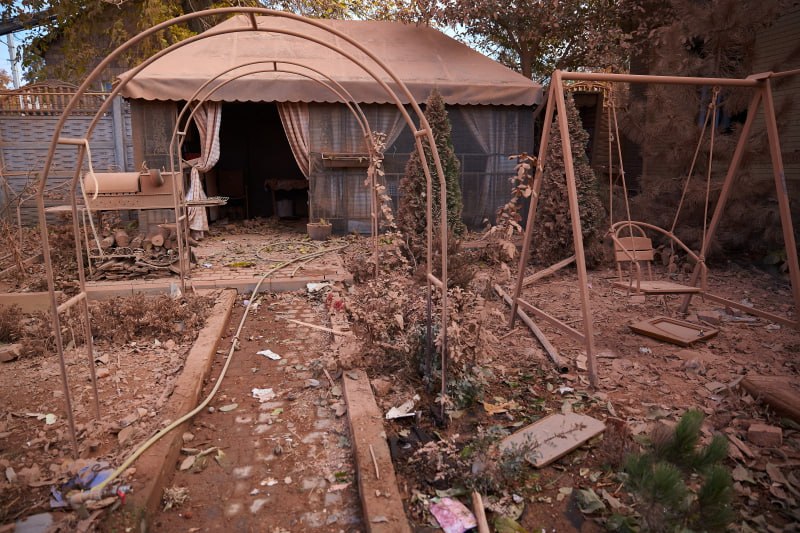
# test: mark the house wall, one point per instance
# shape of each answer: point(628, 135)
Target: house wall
point(337, 192)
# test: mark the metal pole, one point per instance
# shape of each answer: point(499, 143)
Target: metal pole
point(727, 187)
point(663, 80)
point(577, 233)
point(783, 196)
point(535, 189)
point(48, 265)
point(12, 59)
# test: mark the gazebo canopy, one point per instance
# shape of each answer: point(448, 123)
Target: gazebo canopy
point(422, 57)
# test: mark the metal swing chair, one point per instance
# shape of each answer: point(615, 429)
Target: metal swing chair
point(632, 246)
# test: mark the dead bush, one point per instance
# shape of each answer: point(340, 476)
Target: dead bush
point(10, 327)
point(122, 320)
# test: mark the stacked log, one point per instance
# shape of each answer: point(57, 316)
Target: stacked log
point(152, 253)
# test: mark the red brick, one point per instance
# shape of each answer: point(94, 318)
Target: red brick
point(765, 435)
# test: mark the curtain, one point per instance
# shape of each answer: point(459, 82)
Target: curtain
point(496, 130)
point(207, 118)
point(295, 119)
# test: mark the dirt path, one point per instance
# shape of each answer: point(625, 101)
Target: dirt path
point(286, 463)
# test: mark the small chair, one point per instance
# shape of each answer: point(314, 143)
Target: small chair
point(635, 248)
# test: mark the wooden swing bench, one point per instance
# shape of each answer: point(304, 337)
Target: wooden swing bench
point(632, 246)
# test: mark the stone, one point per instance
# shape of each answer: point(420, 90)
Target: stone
point(9, 352)
point(765, 435)
point(102, 373)
point(710, 317)
point(381, 386)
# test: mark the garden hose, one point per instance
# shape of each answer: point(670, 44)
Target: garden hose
point(96, 493)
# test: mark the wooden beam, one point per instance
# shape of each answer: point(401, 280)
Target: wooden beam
point(548, 271)
point(752, 310)
point(381, 502)
point(538, 333)
point(553, 321)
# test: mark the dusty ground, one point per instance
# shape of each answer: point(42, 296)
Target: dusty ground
point(643, 382)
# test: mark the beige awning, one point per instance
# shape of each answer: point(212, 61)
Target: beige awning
point(422, 57)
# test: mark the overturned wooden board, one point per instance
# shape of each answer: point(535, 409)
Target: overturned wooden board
point(782, 393)
point(29, 302)
point(657, 287)
point(673, 330)
point(381, 501)
point(552, 437)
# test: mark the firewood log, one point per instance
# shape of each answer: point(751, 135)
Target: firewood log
point(121, 238)
point(157, 235)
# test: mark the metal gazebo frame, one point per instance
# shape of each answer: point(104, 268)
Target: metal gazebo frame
point(82, 145)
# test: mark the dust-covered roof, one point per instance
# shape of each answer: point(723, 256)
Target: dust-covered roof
point(422, 57)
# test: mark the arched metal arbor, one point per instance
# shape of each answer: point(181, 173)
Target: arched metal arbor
point(381, 73)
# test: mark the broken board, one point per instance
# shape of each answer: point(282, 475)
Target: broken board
point(673, 330)
point(552, 437)
point(782, 393)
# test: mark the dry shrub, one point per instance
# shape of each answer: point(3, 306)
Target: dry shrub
point(122, 320)
point(10, 327)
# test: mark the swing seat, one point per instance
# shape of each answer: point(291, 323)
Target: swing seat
point(637, 250)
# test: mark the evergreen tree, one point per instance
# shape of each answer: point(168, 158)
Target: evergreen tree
point(552, 231)
point(411, 219)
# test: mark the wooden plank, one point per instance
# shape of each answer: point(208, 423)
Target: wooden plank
point(552, 437)
point(538, 333)
point(553, 321)
point(753, 311)
point(548, 271)
point(658, 287)
point(782, 393)
point(673, 330)
point(29, 302)
point(638, 255)
point(384, 513)
point(634, 243)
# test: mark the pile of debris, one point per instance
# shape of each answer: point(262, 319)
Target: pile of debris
point(122, 257)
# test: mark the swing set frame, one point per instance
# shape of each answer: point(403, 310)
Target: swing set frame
point(761, 98)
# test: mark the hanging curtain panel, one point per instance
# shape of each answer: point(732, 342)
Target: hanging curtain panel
point(497, 133)
point(207, 118)
point(295, 119)
point(338, 193)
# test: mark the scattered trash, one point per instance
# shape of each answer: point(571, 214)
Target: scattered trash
point(588, 501)
point(404, 410)
point(269, 482)
point(174, 497)
point(564, 390)
point(644, 350)
point(316, 287)
point(263, 395)
point(229, 407)
point(174, 291)
point(270, 354)
point(207, 265)
point(312, 383)
point(502, 406)
point(453, 516)
point(87, 478)
point(772, 327)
